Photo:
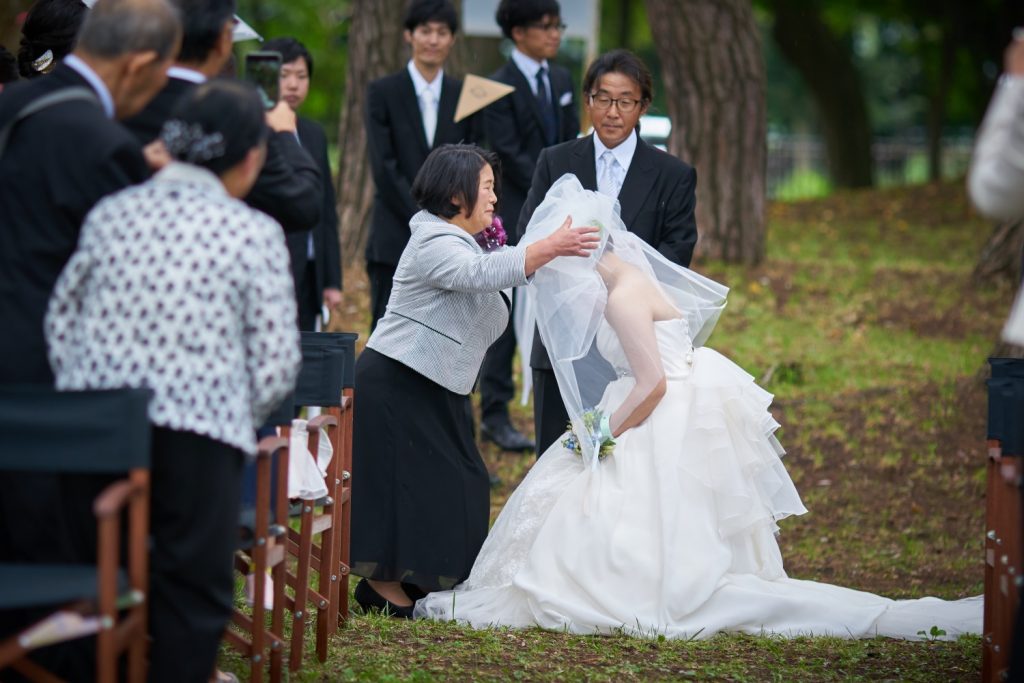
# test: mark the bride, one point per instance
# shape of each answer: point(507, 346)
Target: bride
point(656, 513)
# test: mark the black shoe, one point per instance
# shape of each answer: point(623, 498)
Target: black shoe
point(506, 436)
point(370, 600)
point(413, 591)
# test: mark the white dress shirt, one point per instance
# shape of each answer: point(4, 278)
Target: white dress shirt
point(622, 154)
point(530, 67)
point(429, 97)
point(86, 72)
point(179, 287)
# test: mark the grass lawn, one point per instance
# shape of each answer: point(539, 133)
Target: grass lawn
point(864, 323)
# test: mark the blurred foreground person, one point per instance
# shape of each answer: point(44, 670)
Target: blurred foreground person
point(178, 286)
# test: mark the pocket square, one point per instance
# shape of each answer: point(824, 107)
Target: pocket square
point(565, 100)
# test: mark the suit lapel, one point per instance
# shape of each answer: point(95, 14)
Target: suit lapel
point(523, 85)
point(638, 182)
point(582, 163)
point(409, 105)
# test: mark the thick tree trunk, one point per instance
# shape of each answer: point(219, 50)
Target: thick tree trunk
point(714, 83)
point(827, 68)
point(375, 48)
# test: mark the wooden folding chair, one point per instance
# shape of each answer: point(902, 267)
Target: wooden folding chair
point(87, 432)
point(328, 364)
point(1004, 515)
point(265, 550)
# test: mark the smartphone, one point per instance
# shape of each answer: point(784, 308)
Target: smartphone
point(263, 69)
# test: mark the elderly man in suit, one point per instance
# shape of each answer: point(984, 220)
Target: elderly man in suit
point(408, 114)
point(59, 161)
point(656, 192)
point(316, 254)
point(289, 186)
point(540, 112)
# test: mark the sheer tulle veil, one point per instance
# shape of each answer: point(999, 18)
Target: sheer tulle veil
point(569, 296)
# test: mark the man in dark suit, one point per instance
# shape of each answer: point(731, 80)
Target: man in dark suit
point(63, 159)
point(289, 185)
point(316, 254)
point(408, 114)
point(60, 161)
point(656, 192)
point(540, 113)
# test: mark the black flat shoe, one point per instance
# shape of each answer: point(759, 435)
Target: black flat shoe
point(372, 601)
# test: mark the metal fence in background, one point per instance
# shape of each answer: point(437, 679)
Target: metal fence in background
point(798, 167)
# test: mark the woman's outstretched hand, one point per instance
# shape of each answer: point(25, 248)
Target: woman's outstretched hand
point(565, 241)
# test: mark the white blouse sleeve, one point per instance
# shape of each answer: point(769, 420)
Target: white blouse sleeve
point(996, 181)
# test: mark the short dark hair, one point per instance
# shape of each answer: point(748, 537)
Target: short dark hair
point(49, 25)
point(620, 62)
point(221, 107)
point(421, 12)
point(290, 49)
point(512, 13)
point(8, 66)
point(202, 22)
point(453, 172)
point(113, 28)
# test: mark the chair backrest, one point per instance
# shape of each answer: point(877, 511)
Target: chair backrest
point(102, 431)
point(328, 367)
point(1006, 404)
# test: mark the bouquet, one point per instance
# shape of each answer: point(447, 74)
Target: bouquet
point(598, 432)
point(493, 236)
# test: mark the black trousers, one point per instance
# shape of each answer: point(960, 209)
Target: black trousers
point(381, 277)
point(194, 519)
point(496, 385)
point(308, 299)
point(549, 414)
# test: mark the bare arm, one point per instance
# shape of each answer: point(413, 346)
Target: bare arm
point(633, 321)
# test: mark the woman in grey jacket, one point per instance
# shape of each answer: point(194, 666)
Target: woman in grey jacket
point(421, 508)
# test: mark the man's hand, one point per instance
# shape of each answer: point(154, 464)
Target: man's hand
point(332, 298)
point(281, 118)
point(156, 155)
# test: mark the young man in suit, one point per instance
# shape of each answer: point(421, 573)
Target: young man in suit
point(316, 254)
point(289, 186)
point(408, 114)
point(656, 192)
point(540, 113)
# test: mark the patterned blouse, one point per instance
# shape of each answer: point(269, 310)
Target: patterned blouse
point(178, 287)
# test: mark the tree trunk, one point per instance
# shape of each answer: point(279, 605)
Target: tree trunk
point(1002, 255)
point(375, 48)
point(714, 81)
point(828, 70)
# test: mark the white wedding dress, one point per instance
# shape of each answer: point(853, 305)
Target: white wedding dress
point(674, 533)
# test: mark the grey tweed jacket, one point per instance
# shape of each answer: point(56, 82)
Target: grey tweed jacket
point(446, 308)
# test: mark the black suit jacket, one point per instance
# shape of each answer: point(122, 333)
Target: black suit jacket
point(288, 187)
point(58, 164)
point(397, 145)
point(326, 250)
point(516, 133)
point(657, 200)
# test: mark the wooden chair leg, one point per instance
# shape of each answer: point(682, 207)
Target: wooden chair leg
point(304, 559)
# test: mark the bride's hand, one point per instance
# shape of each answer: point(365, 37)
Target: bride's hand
point(566, 241)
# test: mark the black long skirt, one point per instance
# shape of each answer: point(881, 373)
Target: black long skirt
point(420, 490)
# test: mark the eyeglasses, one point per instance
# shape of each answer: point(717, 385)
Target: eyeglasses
point(625, 104)
point(550, 26)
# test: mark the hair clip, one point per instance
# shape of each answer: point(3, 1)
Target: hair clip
point(44, 63)
point(188, 142)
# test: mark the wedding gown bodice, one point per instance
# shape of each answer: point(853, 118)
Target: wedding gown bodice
point(674, 345)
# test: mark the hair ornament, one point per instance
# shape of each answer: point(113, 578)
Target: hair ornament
point(44, 63)
point(190, 143)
